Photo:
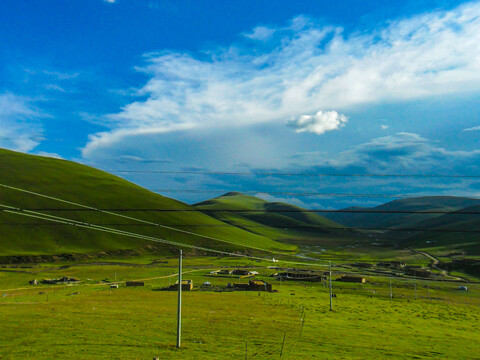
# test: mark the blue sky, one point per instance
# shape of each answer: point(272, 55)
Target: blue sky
point(248, 86)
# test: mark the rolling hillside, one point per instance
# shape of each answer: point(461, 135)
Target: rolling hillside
point(468, 241)
point(294, 222)
point(395, 220)
point(22, 235)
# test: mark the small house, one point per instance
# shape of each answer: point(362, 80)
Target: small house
point(187, 285)
point(33, 282)
point(300, 276)
point(241, 272)
point(419, 272)
point(254, 285)
point(257, 285)
point(352, 279)
point(462, 288)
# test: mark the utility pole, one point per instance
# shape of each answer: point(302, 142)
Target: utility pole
point(283, 343)
point(390, 289)
point(179, 312)
point(415, 282)
point(330, 280)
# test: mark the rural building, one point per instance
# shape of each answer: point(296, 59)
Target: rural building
point(187, 285)
point(221, 272)
point(254, 285)
point(456, 254)
point(462, 288)
point(134, 283)
point(63, 280)
point(241, 286)
point(33, 282)
point(68, 280)
point(420, 272)
point(393, 264)
point(241, 272)
point(207, 284)
point(114, 286)
point(257, 285)
point(364, 265)
point(299, 276)
point(352, 279)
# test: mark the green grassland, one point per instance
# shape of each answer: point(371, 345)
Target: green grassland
point(22, 235)
point(92, 321)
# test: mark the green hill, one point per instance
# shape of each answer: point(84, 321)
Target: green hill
point(21, 235)
point(266, 218)
point(467, 238)
point(395, 220)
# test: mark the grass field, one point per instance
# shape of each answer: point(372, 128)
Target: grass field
point(92, 321)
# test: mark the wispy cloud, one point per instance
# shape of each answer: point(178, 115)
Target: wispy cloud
point(474, 128)
point(300, 69)
point(260, 33)
point(20, 129)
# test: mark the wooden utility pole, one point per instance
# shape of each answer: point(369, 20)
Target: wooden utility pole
point(415, 282)
point(179, 311)
point(390, 289)
point(330, 280)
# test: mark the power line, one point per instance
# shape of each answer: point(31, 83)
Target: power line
point(348, 211)
point(66, 221)
point(288, 193)
point(72, 222)
point(291, 174)
point(286, 227)
point(128, 217)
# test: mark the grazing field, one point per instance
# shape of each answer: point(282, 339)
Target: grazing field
point(92, 321)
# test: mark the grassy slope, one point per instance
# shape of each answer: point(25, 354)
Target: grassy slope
point(89, 186)
point(433, 203)
point(262, 222)
point(470, 242)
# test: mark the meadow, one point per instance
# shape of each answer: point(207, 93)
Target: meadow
point(92, 321)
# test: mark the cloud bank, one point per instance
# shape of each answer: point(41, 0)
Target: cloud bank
point(302, 68)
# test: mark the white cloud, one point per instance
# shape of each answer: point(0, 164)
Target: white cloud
point(288, 200)
point(110, 1)
point(475, 128)
point(48, 154)
point(319, 123)
point(384, 127)
point(260, 33)
point(302, 68)
point(19, 130)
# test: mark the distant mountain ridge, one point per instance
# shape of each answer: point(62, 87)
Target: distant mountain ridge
point(394, 220)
